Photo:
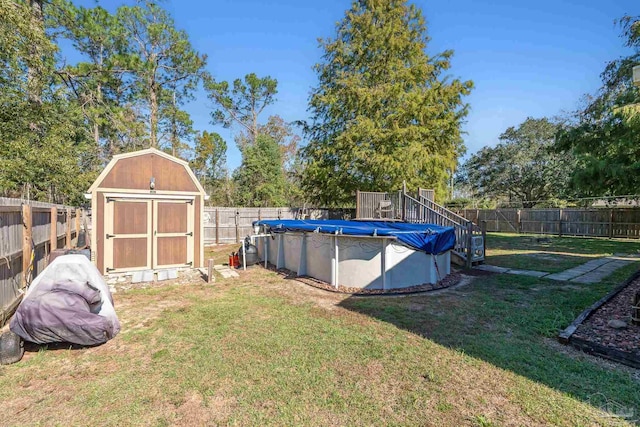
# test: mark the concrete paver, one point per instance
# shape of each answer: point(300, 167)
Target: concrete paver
point(492, 268)
point(531, 273)
point(601, 272)
point(590, 272)
point(225, 271)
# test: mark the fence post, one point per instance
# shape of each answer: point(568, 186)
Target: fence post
point(560, 224)
point(404, 200)
point(611, 223)
point(26, 243)
point(357, 204)
point(68, 242)
point(237, 225)
point(469, 262)
point(78, 215)
point(518, 222)
point(210, 277)
point(217, 226)
point(259, 215)
point(53, 231)
point(483, 227)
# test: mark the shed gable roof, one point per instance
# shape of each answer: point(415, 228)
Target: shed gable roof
point(137, 175)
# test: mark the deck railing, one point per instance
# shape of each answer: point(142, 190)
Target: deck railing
point(429, 212)
point(402, 206)
point(378, 205)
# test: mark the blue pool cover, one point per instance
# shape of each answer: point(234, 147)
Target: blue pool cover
point(429, 238)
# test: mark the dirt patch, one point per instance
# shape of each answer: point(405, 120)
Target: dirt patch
point(196, 410)
point(122, 283)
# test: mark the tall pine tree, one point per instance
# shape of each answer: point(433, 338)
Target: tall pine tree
point(383, 110)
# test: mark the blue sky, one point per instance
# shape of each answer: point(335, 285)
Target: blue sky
point(526, 58)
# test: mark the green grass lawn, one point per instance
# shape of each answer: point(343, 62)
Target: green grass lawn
point(550, 253)
point(264, 350)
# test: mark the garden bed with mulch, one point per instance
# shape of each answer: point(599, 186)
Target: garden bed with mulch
point(450, 280)
point(605, 329)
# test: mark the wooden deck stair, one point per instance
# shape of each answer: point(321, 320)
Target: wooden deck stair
point(470, 239)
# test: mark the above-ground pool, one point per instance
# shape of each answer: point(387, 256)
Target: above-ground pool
point(358, 254)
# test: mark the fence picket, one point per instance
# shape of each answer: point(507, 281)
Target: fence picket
point(612, 223)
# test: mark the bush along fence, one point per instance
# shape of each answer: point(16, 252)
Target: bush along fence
point(232, 224)
point(611, 223)
point(29, 231)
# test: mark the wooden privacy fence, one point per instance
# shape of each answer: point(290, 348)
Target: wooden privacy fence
point(231, 224)
point(612, 223)
point(29, 231)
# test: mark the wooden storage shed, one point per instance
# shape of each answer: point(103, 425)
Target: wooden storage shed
point(147, 209)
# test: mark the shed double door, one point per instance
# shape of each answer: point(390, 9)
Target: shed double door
point(147, 234)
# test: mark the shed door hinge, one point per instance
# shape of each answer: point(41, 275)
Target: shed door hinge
point(189, 233)
point(110, 236)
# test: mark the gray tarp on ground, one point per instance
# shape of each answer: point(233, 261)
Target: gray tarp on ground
point(68, 302)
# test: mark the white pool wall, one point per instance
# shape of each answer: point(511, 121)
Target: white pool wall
point(361, 262)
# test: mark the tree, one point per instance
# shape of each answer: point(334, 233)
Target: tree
point(523, 167)
point(166, 67)
point(288, 141)
point(210, 160)
point(260, 180)
point(241, 105)
point(383, 111)
point(176, 129)
point(604, 134)
point(43, 154)
point(283, 134)
point(98, 80)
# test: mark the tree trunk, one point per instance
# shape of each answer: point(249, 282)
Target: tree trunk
point(153, 114)
point(174, 128)
point(96, 125)
point(34, 79)
point(96, 133)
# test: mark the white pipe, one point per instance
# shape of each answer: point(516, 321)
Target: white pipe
point(244, 257)
point(266, 252)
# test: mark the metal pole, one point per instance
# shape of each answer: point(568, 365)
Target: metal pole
point(266, 251)
point(334, 263)
point(383, 264)
point(237, 216)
